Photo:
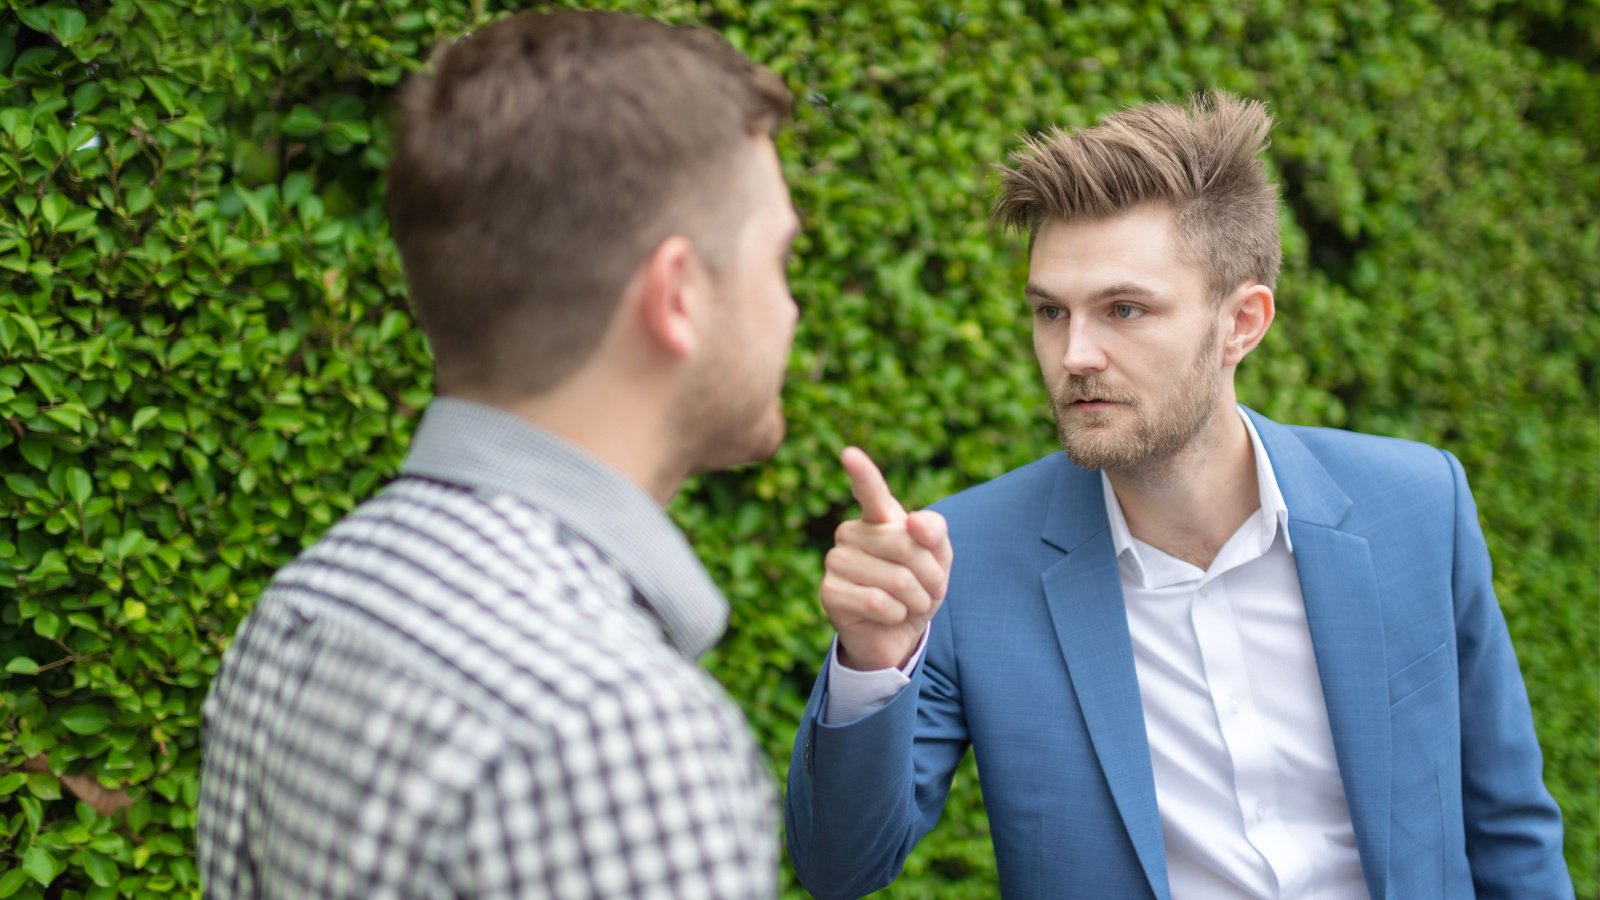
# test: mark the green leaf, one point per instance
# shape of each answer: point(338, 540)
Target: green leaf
point(102, 870)
point(10, 781)
point(164, 93)
point(52, 562)
point(295, 187)
point(21, 665)
point(11, 882)
point(254, 205)
point(144, 416)
point(302, 121)
point(85, 719)
point(282, 419)
point(22, 484)
point(79, 485)
point(130, 542)
point(31, 808)
point(86, 622)
point(137, 199)
point(47, 624)
point(37, 453)
point(138, 815)
point(54, 206)
point(259, 446)
point(87, 96)
point(44, 786)
point(39, 865)
point(66, 415)
point(77, 220)
point(36, 18)
point(43, 380)
point(31, 327)
point(69, 24)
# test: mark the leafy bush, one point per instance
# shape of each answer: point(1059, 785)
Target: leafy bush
point(205, 357)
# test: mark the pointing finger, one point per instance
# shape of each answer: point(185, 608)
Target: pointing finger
point(878, 505)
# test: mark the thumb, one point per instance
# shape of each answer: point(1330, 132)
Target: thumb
point(929, 529)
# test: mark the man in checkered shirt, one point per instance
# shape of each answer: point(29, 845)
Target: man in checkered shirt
point(482, 682)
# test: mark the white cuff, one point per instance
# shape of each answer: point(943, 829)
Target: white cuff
point(853, 693)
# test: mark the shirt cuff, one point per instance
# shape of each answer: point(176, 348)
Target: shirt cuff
point(853, 693)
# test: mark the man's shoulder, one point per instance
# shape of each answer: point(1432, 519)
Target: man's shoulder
point(1363, 462)
point(1011, 496)
point(1342, 440)
point(485, 597)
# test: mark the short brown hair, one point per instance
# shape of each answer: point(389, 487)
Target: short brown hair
point(538, 166)
point(1202, 160)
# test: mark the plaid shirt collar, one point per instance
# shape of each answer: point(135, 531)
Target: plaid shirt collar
point(491, 450)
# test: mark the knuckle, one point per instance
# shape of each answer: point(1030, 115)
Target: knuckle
point(903, 582)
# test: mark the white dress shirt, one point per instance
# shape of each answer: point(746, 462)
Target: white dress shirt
point(1247, 783)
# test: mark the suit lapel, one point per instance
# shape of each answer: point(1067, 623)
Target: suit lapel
point(1084, 594)
point(1345, 614)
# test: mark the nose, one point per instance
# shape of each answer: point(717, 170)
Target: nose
point(1084, 353)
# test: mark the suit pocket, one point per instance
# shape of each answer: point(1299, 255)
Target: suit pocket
point(1418, 675)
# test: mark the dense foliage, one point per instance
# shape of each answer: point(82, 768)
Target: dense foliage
point(206, 358)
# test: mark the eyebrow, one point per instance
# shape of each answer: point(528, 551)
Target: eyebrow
point(1120, 289)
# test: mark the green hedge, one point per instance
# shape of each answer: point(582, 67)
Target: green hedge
point(205, 356)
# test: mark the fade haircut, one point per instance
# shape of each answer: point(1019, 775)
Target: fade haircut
point(1202, 160)
point(538, 166)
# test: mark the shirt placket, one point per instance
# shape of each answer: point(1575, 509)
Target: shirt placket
point(1216, 628)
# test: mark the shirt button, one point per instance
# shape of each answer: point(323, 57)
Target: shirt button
point(1261, 812)
point(1233, 705)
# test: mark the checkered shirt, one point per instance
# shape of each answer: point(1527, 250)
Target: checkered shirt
point(481, 684)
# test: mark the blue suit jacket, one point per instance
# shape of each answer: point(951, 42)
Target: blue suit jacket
point(1030, 663)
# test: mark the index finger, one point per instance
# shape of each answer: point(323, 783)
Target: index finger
point(878, 505)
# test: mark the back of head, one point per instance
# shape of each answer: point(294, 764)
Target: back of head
point(1202, 160)
point(539, 164)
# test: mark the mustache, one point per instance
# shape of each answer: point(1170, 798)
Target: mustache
point(1075, 386)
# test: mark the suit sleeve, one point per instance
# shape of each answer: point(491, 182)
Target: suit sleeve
point(1513, 826)
point(862, 793)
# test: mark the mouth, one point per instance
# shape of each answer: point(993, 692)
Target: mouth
point(1091, 403)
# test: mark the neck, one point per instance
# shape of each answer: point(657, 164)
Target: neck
point(620, 425)
point(1190, 504)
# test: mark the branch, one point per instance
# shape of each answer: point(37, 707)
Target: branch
point(106, 802)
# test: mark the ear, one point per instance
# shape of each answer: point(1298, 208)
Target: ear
point(671, 288)
point(1247, 316)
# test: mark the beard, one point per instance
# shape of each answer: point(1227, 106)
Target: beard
point(747, 433)
point(1161, 426)
point(726, 416)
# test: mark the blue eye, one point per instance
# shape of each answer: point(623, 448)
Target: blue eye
point(1126, 311)
point(1049, 313)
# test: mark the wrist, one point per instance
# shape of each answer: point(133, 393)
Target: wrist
point(888, 658)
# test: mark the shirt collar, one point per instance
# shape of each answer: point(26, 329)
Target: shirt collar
point(1273, 512)
point(488, 449)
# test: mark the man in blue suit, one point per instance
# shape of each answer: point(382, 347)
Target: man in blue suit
point(1200, 654)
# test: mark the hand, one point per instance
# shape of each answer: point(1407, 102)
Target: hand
point(886, 574)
